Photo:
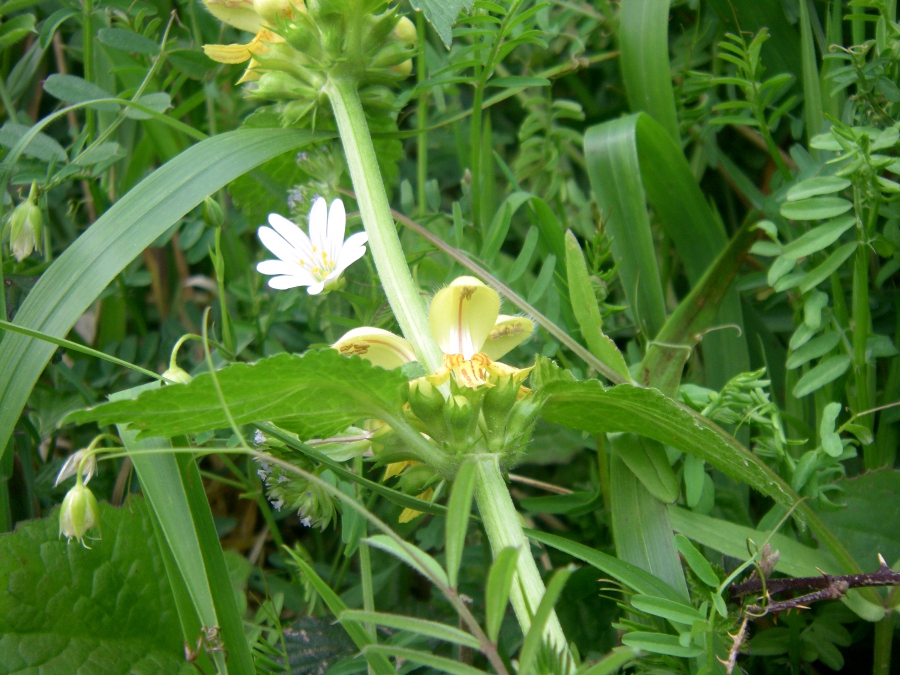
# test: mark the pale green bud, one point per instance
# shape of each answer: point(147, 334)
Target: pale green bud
point(212, 212)
point(178, 375)
point(26, 227)
point(79, 513)
point(498, 401)
point(405, 31)
point(427, 403)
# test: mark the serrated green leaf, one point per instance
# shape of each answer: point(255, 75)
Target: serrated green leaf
point(815, 187)
point(458, 509)
point(127, 41)
point(659, 643)
point(816, 208)
point(318, 394)
point(67, 609)
point(696, 561)
point(587, 313)
point(818, 238)
point(827, 371)
point(496, 591)
point(670, 610)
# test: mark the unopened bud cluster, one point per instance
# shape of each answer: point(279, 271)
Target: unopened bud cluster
point(498, 417)
point(298, 46)
point(291, 492)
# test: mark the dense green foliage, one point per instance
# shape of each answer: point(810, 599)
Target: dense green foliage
point(695, 201)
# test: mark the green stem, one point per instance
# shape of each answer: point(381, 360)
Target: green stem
point(475, 161)
point(884, 635)
point(393, 271)
point(421, 116)
point(862, 320)
point(7, 101)
point(501, 523)
point(87, 56)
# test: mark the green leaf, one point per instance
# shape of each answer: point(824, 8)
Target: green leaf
point(412, 555)
point(499, 226)
point(496, 591)
point(814, 349)
point(432, 629)
point(818, 238)
point(174, 489)
point(632, 576)
point(41, 147)
point(127, 41)
point(627, 159)
point(827, 268)
point(815, 187)
point(15, 29)
point(817, 208)
point(319, 394)
point(458, 509)
point(73, 89)
point(518, 81)
point(587, 406)
point(677, 612)
point(643, 35)
point(695, 560)
point(587, 313)
point(159, 101)
point(827, 371)
point(660, 643)
point(535, 636)
point(77, 277)
point(648, 461)
point(441, 14)
point(641, 529)
point(795, 559)
point(544, 279)
point(611, 663)
point(870, 523)
point(439, 663)
point(54, 21)
point(68, 609)
point(575, 503)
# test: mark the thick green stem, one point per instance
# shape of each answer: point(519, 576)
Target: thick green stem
point(884, 635)
point(501, 522)
point(398, 283)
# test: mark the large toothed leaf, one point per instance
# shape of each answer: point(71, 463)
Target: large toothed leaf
point(317, 394)
point(67, 609)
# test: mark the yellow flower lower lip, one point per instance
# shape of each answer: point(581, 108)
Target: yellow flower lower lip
point(474, 372)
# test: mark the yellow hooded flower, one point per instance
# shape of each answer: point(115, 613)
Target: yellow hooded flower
point(466, 322)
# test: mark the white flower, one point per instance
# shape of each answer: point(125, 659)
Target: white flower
point(70, 467)
point(317, 260)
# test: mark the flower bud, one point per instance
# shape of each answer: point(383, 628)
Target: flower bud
point(521, 420)
point(427, 403)
point(212, 212)
point(26, 227)
point(405, 31)
point(404, 68)
point(498, 401)
point(79, 513)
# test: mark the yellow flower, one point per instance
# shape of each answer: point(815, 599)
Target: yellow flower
point(466, 322)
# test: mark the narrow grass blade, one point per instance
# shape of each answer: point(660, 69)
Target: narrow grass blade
point(644, 42)
point(496, 592)
point(420, 561)
point(439, 663)
point(458, 509)
point(432, 629)
point(86, 268)
point(535, 636)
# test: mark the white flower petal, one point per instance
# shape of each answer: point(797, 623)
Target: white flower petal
point(337, 223)
point(318, 224)
point(277, 245)
point(347, 257)
point(317, 288)
point(283, 283)
point(462, 316)
point(292, 234)
point(379, 346)
point(279, 267)
point(357, 239)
